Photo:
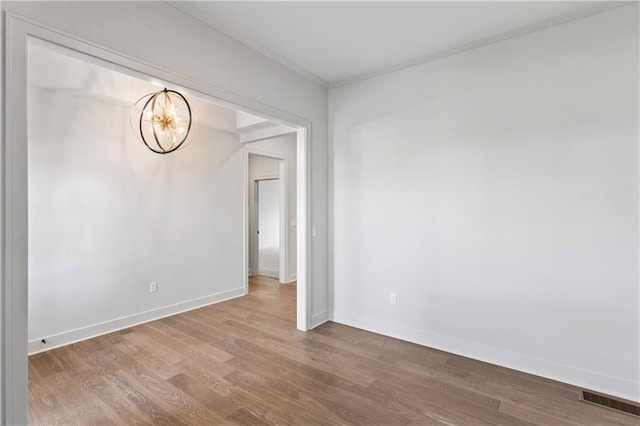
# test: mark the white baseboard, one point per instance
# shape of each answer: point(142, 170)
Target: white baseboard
point(318, 319)
point(615, 386)
point(83, 333)
point(291, 278)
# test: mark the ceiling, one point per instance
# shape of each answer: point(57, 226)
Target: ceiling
point(341, 42)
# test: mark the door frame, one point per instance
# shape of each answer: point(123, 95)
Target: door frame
point(13, 171)
point(283, 219)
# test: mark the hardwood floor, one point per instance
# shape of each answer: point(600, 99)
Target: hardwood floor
point(243, 362)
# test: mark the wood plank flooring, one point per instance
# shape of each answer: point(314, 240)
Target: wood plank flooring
point(243, 362)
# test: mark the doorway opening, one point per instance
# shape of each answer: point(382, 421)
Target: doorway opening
point(271, 212)
point(268, 227)
point(16, 194)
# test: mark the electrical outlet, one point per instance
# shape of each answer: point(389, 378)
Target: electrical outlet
point(153, 287)
point(393, 299)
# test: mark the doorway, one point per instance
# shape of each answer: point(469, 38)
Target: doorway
point(272, 248)
point(268, 232)
point(266, 211)
point(14, 302)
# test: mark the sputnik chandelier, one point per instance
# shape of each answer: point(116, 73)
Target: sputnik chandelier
point(162, 120)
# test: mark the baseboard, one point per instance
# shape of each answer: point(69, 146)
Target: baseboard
point(615, 386)
point(83, 333)
point(318, 319)
point(291, 278)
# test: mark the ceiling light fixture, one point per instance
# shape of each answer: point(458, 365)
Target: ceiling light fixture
point(162, 120)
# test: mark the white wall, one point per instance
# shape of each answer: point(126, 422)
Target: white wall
point(260, 166)
point(264, 167)
point(217, 60)
point(496, 192)
point(107, 217)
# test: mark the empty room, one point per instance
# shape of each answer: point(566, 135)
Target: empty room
point(303, 213)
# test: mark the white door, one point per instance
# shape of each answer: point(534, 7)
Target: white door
point(269, 228)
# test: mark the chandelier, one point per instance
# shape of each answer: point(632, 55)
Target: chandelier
point(162, 121)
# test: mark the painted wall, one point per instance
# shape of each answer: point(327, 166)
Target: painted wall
point(259, 166)
point(496, 192)
point(214, 59)
point(107, 217)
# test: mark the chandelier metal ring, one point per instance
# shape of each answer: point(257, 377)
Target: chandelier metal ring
point(164, 122)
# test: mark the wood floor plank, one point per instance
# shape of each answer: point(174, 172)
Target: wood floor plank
point(286, 382)
point(243, 362)
point(216, 403)
point(294, 352)
point(48, 410)
point(207, 377)
point(45, 364)
point(245, 417)
point(125, 411)
point(174, 400)
point(131, 389)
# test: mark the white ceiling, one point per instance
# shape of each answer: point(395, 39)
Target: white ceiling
point(339, 42)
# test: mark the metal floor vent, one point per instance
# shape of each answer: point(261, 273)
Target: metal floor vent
point(611, 403)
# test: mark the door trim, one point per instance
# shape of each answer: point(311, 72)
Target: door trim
point(282, 220)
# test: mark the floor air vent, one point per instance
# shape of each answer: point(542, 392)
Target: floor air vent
point(611, 403)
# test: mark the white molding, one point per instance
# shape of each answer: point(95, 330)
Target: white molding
point(238, 36)
point(283, 267)
point(319, 319)
point(538, 26)
point(14, 231)
point(2, 315)
point(587, 379)
point(331, 213)
point(266, 177)
point(303, 229)
point(83, 333)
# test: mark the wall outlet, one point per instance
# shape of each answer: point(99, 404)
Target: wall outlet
point(153, 287)
point(393, 299)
